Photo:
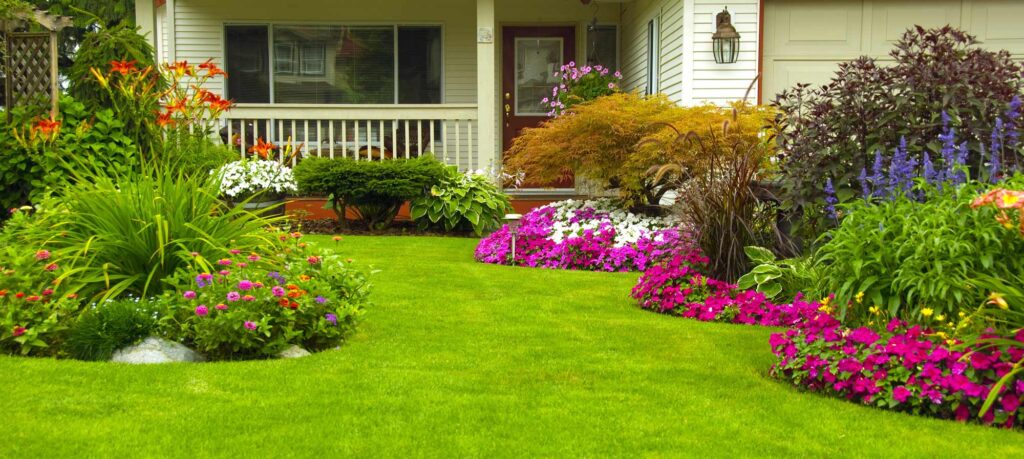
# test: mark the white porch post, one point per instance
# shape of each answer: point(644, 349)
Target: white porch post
point(145, 18)
point(487, 85)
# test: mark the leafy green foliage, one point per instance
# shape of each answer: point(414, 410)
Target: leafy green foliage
point(109, 326)
point(127, 233)
point(835, 130)
point(777, 278)
point(33, 164)
point(376, 190)
point(907, 256)
point(460, 202)
point(98, 48)
point(35, 310)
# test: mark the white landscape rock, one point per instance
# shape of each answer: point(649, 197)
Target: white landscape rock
point(293, 352)
point(156, 350)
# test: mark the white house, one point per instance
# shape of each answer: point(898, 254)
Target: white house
point(459, 78)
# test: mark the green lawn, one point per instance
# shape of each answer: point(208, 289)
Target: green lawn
point(462, 359)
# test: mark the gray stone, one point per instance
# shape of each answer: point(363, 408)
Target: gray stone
point(156, 350)
point(294, 352)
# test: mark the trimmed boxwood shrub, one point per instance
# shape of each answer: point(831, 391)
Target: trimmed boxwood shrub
point(376, 190)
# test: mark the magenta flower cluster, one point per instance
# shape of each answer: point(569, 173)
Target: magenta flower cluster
point(579, 84)
point(596, 246)
point(909, 369)
point(677, 287)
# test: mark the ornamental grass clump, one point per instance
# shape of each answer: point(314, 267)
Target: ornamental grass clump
point(585, 235)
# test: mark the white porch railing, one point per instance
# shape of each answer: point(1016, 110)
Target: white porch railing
point(362, 132)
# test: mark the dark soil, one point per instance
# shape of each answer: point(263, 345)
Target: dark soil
point(398, 228)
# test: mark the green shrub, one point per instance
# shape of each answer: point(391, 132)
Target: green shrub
point(835, 130)
point(98, 48)
point(375, 189)
point(906, 256)
point(250, 310)
point(200, 157)
point(125, 234)
point(34, 163)
point(462, 202)
point(109, 326)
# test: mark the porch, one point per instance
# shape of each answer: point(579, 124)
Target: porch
point(398, 79)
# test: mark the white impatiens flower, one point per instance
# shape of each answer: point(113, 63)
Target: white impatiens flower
point(629, 227)
point(246, 177)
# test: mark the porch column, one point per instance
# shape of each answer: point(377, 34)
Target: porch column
point(487, 85)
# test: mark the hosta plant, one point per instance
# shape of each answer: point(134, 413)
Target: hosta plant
point(462, 201)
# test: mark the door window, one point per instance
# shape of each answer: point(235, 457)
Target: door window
point(536, 61)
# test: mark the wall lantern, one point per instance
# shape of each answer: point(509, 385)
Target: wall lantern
point(726, 41)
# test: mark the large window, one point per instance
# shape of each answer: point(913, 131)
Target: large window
point(319, 64)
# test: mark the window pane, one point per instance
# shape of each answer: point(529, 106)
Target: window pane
point(336, 65)
point(537, 59)
point(248, 64)
point(603, 46)
point(419, 65)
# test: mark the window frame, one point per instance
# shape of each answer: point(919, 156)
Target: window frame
point(396, 26)
point(320, 52)
point(290, 61)
point(653, 56)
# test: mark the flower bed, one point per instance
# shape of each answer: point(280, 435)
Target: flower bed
point(585, 235)
point(906, 368)
point(677, 287)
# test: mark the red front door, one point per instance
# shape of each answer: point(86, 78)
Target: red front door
point(530, 58)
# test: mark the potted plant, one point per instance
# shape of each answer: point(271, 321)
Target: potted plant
point(258, 182)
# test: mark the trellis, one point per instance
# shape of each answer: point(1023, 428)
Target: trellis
point(30, 60)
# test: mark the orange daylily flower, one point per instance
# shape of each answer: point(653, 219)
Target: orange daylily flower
point(211, 69)
point(47, 126)
point(262, 148)
point(164, 119)
point(123, 67)
point(181, 68)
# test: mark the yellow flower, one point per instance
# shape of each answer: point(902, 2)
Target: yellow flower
point(963, 314)
point(940, 317)
point(942, 335)
point(824, 308)
point(950, 342)
point(927, 312)
point(859, 297)
point(875, 310)
point(998, 300)
point(1010, 200)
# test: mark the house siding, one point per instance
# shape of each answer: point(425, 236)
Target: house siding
point(724, 83)
point(635, 17)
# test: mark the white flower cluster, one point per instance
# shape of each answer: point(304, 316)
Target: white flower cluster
point(629, 227)
point(246, 177)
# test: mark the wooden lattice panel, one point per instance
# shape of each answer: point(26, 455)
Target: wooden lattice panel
point(28, 68)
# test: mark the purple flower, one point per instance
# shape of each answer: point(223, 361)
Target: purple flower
point(250, 325)
point(277, 291)
point(202, 310)
point(830, 199)
point(865, 187)
point(321, 300)
point(332, 318)
point(204, 279)
point(189, 295)
point(233, 296)
point(245, 285)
